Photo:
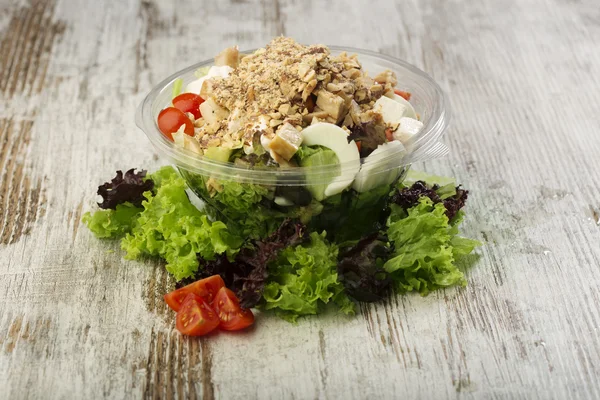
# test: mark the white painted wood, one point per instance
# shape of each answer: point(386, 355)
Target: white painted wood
point(78, 321)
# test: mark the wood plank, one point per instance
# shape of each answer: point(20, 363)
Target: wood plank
point(76, 320)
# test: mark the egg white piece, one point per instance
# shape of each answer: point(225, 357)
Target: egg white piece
point(336, 139)
point(377, 170)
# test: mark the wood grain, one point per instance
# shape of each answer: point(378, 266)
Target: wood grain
point(78, 321)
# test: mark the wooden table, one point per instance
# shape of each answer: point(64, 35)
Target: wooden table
point(78, 321)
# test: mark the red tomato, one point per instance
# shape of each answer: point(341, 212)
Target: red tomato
point(170, 120)
point(189, 103)
point(402, 93)
point(358, 146)
point(206, 288)
point(232, 316)
point(389, 134)
point(196, 317)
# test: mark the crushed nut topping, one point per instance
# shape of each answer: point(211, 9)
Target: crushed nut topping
point(285, 85)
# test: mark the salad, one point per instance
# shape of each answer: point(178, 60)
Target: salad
point(331, 214)
point(334, 135)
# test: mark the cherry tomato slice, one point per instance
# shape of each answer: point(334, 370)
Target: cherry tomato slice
point(206, 288)
point(232, 316)
point(170, 120)
point(196, 317)
point(402, 93)
point(389, 134)
point(189, 103)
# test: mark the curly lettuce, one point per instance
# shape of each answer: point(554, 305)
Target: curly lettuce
point(167, 225)
point(112, 224)
point(426, 245)
point(171, 227)
point(304, 278)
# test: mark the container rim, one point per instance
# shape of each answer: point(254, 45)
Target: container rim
point(415, 150)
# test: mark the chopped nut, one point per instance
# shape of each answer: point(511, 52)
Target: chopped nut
point(360, 95)
point(376, 91)
point(229, 56)
point(386, 76)
point(310, 76)
point(284, 108)
point(350, 63)
point(250, 94)
point(352, 73)
point(285, 84)
point(303, 69)
point(334, 87)
point(316, 114)
point(310, 86)
point(214, 142)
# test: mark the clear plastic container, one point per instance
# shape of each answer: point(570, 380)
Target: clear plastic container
point(245, 197)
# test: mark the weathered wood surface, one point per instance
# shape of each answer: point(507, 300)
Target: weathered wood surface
point(78, 321)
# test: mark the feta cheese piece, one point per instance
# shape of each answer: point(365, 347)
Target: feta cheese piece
point(391, 111)
point(407, 129)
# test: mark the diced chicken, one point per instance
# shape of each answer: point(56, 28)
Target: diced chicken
point(316, 114)
point(212, 112)
point(407, 129)
point(229, 57)
point(330, 103)
point(355, 112)
point(286, 141)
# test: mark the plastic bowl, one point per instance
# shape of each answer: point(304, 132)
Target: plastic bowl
point(245, 197)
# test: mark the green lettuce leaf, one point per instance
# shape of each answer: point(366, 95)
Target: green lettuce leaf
point(316, 156)
point(304, 279)
point(171, 227)
point(112, 224)
point(426, 247)
point(413, 176)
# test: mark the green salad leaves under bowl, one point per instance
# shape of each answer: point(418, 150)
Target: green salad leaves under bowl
point(301, 159)
point(279, 262)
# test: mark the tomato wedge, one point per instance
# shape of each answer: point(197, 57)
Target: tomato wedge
point(189, 103)
point(196, 317)
point(206, 288)
point(170, 120)
point(389, 134)
point(402, 93)
point(232, 316)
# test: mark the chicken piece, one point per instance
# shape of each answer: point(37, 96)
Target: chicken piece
point(230, 57)
point(212, 112)
point(319, 114)
point(286, 141)
point(330, 103)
